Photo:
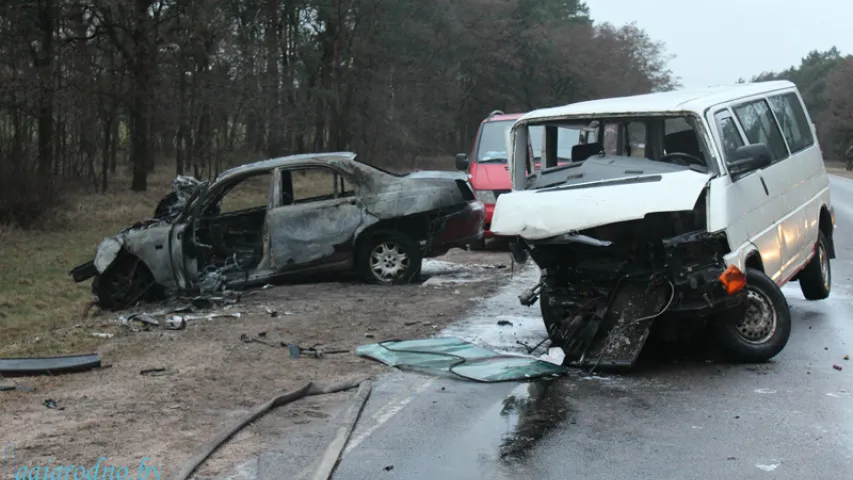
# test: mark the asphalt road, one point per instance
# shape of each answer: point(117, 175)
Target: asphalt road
point(788, 419)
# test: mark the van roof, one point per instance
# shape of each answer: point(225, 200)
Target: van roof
point(503, 116)
point(695, 100)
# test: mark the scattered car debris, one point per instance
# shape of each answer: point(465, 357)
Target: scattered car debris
point(166, 319)
point(846, 357)
point(504, 323)
point(51, 403)
point(555, 355)
point(154, 372)
point(460, 358)
point(388, 468)
point(369, 335)
point(245, 338)
point(837, 367)
point(296, 351)
point(382, 225)
point(49, 365)
point(276, 313)
point(15, 388)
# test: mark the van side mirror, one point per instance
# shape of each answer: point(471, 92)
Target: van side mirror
point(462, 162)
point(750, 158)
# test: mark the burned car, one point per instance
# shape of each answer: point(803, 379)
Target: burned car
point(689, 212)
point(284, 218)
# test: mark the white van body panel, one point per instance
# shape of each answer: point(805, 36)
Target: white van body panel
point(772, 215)
point(531, 213)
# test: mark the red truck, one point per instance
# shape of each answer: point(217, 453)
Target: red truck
point(487, 164)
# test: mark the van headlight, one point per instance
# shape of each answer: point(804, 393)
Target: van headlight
point(485, 196)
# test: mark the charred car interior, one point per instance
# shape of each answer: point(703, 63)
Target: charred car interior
point(621, 237)
point(282, 219)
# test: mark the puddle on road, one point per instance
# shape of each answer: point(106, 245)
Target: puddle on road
point(525, 323)
point(533, 409)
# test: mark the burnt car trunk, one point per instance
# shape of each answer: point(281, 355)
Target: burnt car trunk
point(603, 288)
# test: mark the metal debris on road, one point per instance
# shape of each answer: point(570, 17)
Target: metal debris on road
point(51, 403)
point(460, 358)
point(49, 365)
point(504, 323)
point(15, 388)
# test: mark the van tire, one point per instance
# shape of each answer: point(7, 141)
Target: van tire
point(816, 278)
point(400, 248)
point(754, 338)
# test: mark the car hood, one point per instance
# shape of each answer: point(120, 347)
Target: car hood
point(544, 213)
point(491, 176)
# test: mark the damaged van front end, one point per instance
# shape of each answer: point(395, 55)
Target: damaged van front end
point(622, 243)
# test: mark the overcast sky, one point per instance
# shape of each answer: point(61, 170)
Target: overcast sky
point(718, 41)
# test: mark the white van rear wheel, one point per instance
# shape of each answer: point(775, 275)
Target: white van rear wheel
point(816, 278)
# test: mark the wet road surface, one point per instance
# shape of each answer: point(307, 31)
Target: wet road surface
point(791, 418)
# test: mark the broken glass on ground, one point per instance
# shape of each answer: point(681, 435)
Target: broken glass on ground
point(458, 357)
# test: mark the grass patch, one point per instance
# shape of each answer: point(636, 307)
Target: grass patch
point(39, 302)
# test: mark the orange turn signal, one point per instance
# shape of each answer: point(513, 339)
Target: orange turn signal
point(733, 279)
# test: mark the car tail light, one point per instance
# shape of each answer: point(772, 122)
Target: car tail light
point(733, 280)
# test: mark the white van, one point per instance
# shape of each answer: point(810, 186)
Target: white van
point(691, 204)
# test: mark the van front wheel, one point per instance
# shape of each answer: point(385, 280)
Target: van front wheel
point(764, 327)
point(816, 278)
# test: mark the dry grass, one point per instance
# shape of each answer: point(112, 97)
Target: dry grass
point(39, 302)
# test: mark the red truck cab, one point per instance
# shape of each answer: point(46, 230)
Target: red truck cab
point(487, 164)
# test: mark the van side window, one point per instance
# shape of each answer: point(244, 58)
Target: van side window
point(760, 127)
point(789, 111)
point(731, 137)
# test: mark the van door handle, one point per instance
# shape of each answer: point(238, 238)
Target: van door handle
point(764, 185)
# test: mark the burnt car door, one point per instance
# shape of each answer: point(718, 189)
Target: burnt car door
point(313, 224)
point(229, 234)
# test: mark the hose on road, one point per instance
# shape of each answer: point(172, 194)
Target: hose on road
point(333, 452)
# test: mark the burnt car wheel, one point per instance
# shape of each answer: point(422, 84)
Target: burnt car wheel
point(389, 258)
point(763, 330)
point(816, 278)
point(125, 281)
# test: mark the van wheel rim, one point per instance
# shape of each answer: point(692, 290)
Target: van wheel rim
point(388, 261)
point(759, 322)
point(823, 258)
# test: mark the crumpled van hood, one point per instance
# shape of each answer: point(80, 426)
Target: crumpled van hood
point(544, 213)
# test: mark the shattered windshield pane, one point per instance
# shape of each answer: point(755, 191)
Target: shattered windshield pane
point(460, 358)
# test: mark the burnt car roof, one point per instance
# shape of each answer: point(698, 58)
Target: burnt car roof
point(326, 158)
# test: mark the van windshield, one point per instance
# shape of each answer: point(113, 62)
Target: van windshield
point(492, 145)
